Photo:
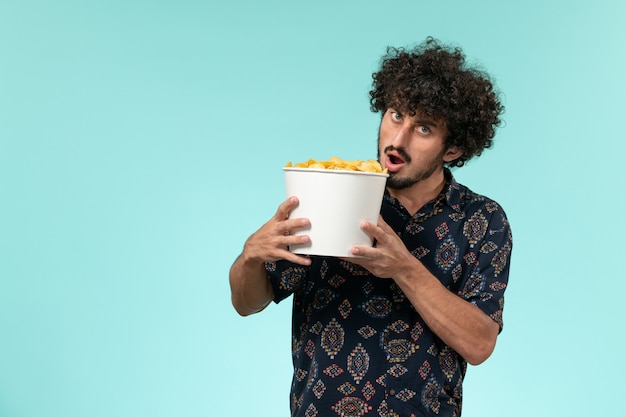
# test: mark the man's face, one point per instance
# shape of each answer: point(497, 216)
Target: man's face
point(410, 147)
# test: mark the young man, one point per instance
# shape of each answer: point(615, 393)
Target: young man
point(390, 332)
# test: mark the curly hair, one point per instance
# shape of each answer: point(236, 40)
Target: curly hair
point(433, 79)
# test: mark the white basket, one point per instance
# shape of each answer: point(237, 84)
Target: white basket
point(335, 202)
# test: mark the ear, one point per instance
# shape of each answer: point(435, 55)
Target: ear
point(452, 153)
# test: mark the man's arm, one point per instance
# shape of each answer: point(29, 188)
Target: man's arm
point(460, 324)
point(250, 288)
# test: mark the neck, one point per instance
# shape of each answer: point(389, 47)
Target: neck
point(417, 195)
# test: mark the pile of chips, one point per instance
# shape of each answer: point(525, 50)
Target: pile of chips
point(337, 163)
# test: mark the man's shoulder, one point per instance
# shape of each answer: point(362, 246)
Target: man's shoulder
point(464, 199)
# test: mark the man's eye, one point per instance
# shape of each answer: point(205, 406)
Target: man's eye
point(396, 116)
point(423, 130)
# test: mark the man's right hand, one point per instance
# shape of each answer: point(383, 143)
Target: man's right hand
point(251, 291)
point(270, 243)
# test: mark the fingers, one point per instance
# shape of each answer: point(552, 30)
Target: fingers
point(363, 251)
point(297, 259)
point(272, 240)
point(292, 240)
point(268, 246)
point(380, 234)
point(285, 208)
point(374, 231)
point(285, 224)
point(281, 249)
point(383, 225)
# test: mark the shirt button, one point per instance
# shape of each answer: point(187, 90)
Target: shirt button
point(392, 392)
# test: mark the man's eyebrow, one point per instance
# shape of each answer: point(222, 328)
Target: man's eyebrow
point(427, 122)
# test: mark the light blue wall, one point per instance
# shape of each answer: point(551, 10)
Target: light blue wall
point(141, 142)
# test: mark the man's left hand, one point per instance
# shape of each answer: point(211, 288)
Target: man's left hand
point(388, 257)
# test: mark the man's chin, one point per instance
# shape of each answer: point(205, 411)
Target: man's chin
point(396, 182)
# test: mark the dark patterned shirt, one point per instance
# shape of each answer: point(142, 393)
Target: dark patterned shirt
point(359, 347)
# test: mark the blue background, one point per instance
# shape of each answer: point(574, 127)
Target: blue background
point(141, 142)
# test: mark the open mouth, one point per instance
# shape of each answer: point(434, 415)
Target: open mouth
point(393, 161)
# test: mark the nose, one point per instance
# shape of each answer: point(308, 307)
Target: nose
point(402, 134)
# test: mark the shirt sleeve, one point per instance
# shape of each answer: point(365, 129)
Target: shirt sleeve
point(485, 284)
point(285, 278)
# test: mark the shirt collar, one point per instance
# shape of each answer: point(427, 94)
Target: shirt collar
point(450, 194)
point(452, 191)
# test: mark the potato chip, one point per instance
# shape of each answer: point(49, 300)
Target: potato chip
point(337, 163)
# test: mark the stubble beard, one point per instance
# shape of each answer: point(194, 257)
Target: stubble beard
point(397, 182)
